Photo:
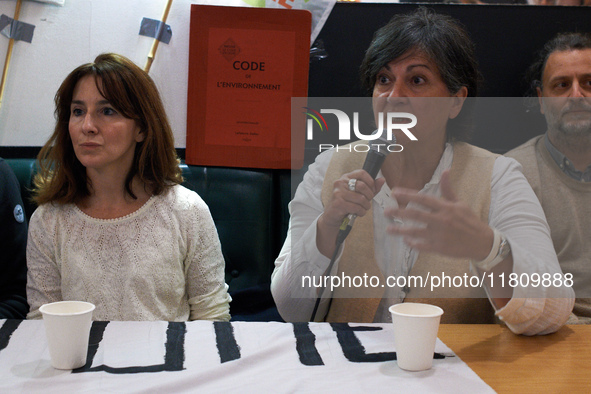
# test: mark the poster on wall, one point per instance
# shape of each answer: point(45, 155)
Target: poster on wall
point(245, 65)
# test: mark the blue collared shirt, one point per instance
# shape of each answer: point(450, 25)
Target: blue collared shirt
point(565, 164)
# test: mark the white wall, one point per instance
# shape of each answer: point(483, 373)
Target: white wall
point(66, 37)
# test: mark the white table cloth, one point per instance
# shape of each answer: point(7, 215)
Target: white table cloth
point(242, 357)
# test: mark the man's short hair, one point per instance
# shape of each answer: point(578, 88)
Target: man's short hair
point(561, 42)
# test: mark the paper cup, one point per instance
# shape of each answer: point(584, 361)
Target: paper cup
point(67, 325)
point(415, 334)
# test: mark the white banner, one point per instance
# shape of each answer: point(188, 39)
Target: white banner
point(210, 357)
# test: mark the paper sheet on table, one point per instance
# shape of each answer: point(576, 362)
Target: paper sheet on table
point(220, 357)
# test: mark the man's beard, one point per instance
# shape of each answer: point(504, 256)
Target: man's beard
point(569, 127)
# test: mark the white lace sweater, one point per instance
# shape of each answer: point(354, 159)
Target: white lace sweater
point(162, 262)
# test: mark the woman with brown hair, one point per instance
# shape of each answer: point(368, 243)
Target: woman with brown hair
point(114, 226)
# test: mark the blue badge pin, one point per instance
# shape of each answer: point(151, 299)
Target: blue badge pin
point(19, 213)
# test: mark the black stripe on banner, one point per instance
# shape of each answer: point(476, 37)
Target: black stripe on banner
point(174, 359)
point(6, 331)
point(228, 348)
point(306, 344)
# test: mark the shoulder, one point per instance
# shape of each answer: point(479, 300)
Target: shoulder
point(511, 183)
point(50, 220)
point(526, 151)
point(189, 211)
point(7, 178)
point(314, 175)
point(501, 164)
point(50, 210)
point(9, 186)
point(4, 168)
point(506, 167)
point(182, 199)
point(463, 148)
point(471, 163)
point(49, 213)
point(322, 161)
point(527, 155)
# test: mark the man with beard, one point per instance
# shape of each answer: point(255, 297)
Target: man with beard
point(558, 163)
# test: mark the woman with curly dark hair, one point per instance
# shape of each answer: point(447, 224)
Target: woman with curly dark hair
point(439, 209)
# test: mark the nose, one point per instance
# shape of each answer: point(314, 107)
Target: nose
point(88, 125)
point(396, 92)
point(579, 91)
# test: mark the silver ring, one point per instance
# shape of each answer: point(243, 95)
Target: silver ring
point(352, 183)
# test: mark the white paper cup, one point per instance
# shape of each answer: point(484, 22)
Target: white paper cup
point(67, 325)
point(415, 334)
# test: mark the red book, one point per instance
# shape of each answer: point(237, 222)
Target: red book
point(245, 65)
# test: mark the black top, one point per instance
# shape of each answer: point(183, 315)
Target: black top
point(13, 243)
